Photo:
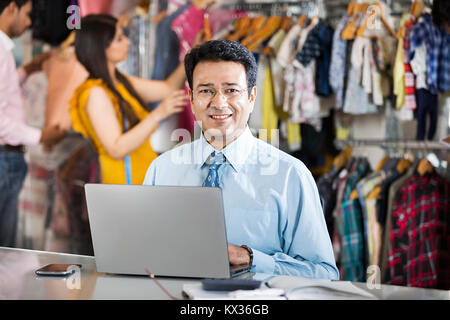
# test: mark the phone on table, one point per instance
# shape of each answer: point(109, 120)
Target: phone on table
point(57, 269)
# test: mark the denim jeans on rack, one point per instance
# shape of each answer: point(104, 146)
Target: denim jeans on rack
point(13, 170)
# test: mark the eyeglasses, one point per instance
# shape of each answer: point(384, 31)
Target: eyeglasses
point(230, 93)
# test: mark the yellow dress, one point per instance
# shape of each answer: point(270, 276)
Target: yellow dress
point(112, 171)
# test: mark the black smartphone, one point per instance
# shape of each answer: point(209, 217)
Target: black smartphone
point(57, 269)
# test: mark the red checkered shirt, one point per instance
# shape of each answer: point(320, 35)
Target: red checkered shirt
point(419, 237)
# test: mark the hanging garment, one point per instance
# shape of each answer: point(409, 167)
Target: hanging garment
point(256, 117)
point(112, 171)
point(410, 91)
point(328, 192)
point(399, 69)
point(120, 7)
point(33, 200)
point(193, 17)
point(438, 53)
point(427, 108)
point(419, 66)
point(338, 63)
point(372, 230)
point(95, 7)
point(270, 116)
point(167, 50)
point(419, 237)
point(301, 100)
point(141, 33)
point(341, 182)
point(384, 218)
point(310, 50)
point(350, 228)
point(356, 98)
point(166, 61)
point(325, 34)
point(276, 68)
point(288, 47)
point(67, 219)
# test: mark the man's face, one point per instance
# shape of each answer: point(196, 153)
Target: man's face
point(21, 20)
point(220, 99)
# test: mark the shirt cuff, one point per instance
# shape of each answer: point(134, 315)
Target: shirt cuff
point(22, 75)
point(262, 263)
point(32, 137)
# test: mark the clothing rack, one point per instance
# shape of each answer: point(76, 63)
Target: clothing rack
point(402, 144)
point(279, 7)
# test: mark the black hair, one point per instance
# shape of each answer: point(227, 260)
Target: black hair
point(222, 50)
point(91, 41)
point(441, 12)
point(5, 3)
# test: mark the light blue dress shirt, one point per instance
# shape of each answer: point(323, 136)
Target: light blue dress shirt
point(270, 200)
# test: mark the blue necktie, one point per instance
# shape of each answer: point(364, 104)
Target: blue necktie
point(215, 161)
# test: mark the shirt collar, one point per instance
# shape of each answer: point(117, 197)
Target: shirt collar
point(236, 152)
point(6, 41)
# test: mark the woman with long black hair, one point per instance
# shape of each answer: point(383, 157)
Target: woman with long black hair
point(108, 108)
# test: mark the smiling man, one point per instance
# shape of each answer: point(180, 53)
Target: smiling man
point(273, 214)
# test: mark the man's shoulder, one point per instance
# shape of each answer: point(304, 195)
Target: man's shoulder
point(268, 153)
point(180, 154)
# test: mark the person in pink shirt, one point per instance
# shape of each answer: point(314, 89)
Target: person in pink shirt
point(14, 132)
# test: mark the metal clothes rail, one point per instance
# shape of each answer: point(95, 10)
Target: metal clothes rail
point(401, 144)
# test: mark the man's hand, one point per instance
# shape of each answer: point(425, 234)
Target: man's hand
point(35, 65)
point(51, 136)
point(238, 255)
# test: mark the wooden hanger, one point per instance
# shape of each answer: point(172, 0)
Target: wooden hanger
point(343, 158)
point(273, 24)
point(403, 165)
point(340, 161)
point(374, 193)
point(240, 28)
point(425, 167)
point(314, 20)
point(287, 23)
point(70, 40)
point(301, 20)
point(207, 27)
point(256, 24)
point(202, 4)
point(417, 8)
point(351, 8)
point(383, 20)
point(354, 195)
point(381, 164)
point(159, 17)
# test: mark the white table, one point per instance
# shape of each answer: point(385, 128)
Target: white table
point(19, 281)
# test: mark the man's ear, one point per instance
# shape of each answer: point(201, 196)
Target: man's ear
point(191, 99)
point(12, 9)
point(252, 99)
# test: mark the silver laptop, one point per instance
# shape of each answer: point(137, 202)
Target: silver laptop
point(171, 231)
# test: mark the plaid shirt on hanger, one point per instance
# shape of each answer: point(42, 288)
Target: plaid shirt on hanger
point(351, 230)
point(311, 48)
point(420, 234)
point(438, 53)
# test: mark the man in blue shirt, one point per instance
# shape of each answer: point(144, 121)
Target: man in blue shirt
point(273, 214)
